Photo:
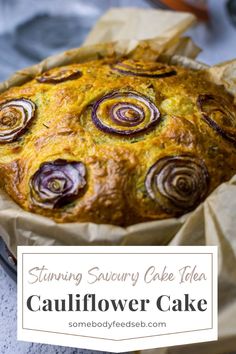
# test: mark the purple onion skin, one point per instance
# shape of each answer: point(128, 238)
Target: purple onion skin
point(151, 76)
point(114, 94)
point(142, 73)
point(200, 101)
point(178, 183)
point(59, 77)
point(25, 107)
point(125, 121)
point(57, 183)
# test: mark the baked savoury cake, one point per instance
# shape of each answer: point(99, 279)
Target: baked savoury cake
point(116, 142)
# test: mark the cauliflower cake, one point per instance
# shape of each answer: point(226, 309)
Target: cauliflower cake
point(116, 142)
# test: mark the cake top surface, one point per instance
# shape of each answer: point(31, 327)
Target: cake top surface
point(115, 142)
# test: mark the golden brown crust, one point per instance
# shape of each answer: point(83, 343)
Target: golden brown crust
point(117, 165)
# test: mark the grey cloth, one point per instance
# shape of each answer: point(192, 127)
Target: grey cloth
point(31, 30)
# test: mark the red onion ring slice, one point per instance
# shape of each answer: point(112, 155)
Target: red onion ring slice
point(61, 75)
point(144, 69)
point(15, 116)
point(218, 114)
point(131, 110)
point(56, 183)
point(178, 183)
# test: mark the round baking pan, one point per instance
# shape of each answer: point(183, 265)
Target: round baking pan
point(7, 260)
